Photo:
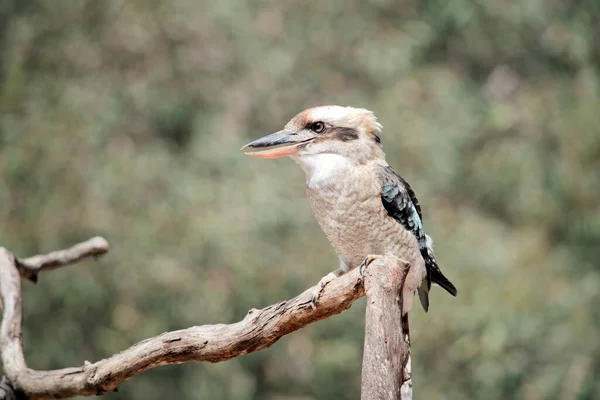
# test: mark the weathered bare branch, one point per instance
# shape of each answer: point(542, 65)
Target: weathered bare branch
point(31, 266)
point(386, 356)
point(386, 363)
point(13, 360)
point(213, 343)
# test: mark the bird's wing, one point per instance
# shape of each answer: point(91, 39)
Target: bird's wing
point(401, 203)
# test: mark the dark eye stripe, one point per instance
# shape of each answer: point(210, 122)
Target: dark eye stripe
point(345, 134)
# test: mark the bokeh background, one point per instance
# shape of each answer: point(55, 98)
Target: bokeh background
point(125, 118)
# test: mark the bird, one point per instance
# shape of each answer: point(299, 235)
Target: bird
point(364, 207)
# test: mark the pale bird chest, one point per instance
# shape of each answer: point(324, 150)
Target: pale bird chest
point(346, 202)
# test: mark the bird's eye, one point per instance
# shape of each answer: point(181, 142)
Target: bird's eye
point(317, 127)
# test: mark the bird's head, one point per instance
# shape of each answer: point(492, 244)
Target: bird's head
point(352, 133)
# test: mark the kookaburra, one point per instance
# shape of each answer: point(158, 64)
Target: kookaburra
point(362, 204)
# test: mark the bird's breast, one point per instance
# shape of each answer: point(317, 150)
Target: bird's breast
point(348, 207)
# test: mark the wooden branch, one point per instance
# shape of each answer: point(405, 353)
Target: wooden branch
point(213, 343)
point(386, 362)
point(31, 266)
point(386, 357)
point(10, 329)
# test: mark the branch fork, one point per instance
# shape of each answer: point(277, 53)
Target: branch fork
point(260, 329)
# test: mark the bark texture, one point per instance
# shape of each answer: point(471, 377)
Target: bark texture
point(213, 343)
point(386, 357)
point(386, 360)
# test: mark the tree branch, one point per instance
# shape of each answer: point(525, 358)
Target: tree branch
point(213, 343)
point(31, 266)
point(386, 356)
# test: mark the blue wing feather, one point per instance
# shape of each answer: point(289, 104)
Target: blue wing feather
point(401, 203)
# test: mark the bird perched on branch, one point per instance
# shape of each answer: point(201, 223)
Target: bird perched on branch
point(364, 207)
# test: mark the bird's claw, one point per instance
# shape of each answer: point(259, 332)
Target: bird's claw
point(314, 299)
point(368, 260)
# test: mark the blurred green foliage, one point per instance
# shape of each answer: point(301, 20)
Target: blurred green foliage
point(124, 119)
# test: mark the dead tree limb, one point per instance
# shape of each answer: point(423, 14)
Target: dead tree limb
point(31, 266)
point(386, 356)
point(387, 353)
point(213, 343)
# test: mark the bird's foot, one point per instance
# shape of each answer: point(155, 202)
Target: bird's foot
point(319, 288)
point(368, 260)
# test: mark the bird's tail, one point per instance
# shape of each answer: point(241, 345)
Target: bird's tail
point(438, 278)
point(423, 291)
point(434, 274)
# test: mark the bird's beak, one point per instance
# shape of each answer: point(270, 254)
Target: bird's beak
point(278, 144)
